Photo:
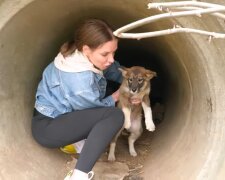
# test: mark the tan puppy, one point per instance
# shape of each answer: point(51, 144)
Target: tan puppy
point(135, 86)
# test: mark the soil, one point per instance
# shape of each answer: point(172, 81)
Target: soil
point(142, 147)
point(135, 164)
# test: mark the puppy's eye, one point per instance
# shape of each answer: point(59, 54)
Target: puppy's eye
point(140, 80)
point(130, 80)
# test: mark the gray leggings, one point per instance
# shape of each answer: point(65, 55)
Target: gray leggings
point(97, 125)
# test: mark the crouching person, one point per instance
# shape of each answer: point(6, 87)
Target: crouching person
point(70, 101)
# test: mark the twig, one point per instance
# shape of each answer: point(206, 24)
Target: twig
point(182, 3)
point(219, 15)
point(136, 168)
point(164, 16)
point(170, 31)
point(189, 10)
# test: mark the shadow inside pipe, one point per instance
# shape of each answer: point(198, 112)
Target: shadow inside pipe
point(128, 55)
point(133, 53)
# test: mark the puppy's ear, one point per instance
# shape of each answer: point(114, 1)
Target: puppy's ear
point(150, 74)
point(124, 71)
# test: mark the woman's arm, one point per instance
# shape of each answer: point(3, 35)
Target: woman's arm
point(113, 73)
point(90, 99)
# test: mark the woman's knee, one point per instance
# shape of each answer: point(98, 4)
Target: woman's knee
point(117, 116)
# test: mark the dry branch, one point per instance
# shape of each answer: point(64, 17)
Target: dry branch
point(184, 8)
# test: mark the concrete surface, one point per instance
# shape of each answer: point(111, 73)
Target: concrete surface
point(189, 144)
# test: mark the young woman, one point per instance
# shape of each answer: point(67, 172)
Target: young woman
point(70, 100)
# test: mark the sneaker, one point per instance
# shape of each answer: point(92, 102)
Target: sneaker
point(79, 145)
point(80, 175)
point(73, 148)
point(69, 174)
point(69, 149)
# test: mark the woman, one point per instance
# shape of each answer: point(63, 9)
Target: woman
point(70, 100)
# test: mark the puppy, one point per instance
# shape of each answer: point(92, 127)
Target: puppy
point(135, 86)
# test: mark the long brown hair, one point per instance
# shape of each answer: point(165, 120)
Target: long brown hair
point(92, 32)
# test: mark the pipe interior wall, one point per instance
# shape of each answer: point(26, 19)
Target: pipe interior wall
point(188, 144)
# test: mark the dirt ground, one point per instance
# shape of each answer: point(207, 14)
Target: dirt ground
point(142, 146)
point(135, 164)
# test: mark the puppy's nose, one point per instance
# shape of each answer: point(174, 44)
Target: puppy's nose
point(134, 89)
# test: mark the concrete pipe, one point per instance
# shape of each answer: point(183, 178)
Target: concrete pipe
point(189, 144)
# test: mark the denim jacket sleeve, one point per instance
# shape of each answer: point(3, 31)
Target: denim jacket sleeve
point(61, 92)
point(113, 73)
point(87, 92)
point(90, 99)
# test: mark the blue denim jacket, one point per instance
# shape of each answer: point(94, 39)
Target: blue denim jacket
point(60, 92)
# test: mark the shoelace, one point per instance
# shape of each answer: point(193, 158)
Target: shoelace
point(69, 174)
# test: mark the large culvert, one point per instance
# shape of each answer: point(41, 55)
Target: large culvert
point(189, 144)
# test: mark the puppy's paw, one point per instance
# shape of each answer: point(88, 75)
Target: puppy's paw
point(127, 124)
point(111, 157)
point(133, 153)
point(150, 126)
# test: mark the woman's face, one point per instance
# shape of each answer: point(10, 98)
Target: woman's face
point(103, 56)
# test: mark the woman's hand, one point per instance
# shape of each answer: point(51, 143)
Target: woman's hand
point(116, 95)
point(135, 101)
